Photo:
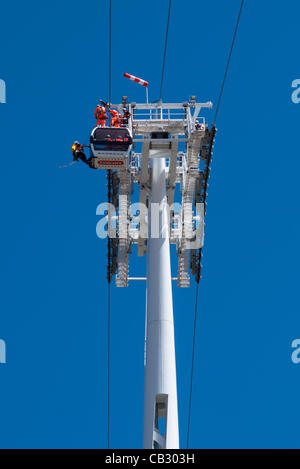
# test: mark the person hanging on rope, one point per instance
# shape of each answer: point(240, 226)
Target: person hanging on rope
point(78, 152)
point(100, 113)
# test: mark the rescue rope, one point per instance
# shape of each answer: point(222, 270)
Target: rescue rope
point(67, 165)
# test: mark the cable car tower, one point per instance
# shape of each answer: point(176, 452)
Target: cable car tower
point(171, 147)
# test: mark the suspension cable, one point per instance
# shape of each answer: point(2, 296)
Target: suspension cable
point(200, 251)
point(192, 367)
point(228, 61)
point(108, 246)
point(109, 57)
point(109, 271)
point(165, 52)
point(108, 365)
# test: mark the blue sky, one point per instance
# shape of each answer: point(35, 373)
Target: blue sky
point(53, 288)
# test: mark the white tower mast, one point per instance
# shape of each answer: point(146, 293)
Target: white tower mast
point(160, 394)
point(160, 129)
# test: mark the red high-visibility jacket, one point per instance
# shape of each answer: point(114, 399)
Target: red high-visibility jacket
point(100, 112)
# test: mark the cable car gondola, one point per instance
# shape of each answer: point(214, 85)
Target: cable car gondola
point(110, 147)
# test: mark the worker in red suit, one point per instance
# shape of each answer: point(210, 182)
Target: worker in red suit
point(100, 115)
point(115, 119)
